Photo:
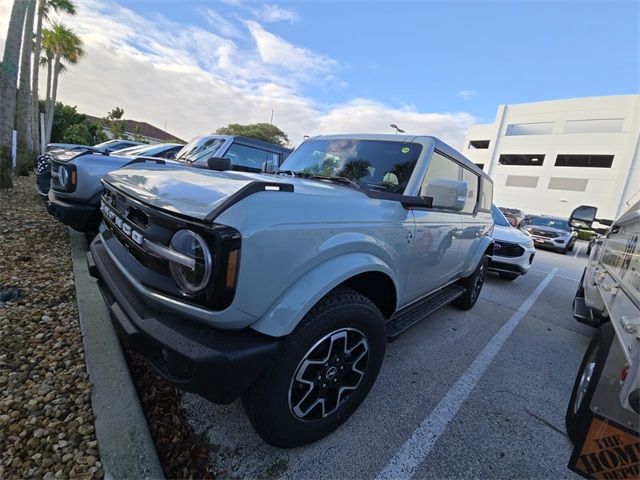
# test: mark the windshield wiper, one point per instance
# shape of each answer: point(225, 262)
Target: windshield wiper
point(342, 180)
point(287, 172)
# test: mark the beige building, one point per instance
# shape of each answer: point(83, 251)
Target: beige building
point(549, 157)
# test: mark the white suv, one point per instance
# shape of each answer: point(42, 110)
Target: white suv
point(513, 249)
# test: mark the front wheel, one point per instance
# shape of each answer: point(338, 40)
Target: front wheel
point(322, 372)
point(472, 286)
point(585, 383)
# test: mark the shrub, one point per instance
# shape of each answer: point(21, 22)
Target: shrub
point(584, 235)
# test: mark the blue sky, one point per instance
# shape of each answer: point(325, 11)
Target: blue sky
point(323, 67)
point(425, 53)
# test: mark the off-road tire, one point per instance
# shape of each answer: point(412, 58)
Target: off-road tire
point(268, 401)
point(571, 245)
point(508, 276)
point(596, 354)
point(472, 286)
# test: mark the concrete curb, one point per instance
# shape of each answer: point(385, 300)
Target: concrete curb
point(124, 441)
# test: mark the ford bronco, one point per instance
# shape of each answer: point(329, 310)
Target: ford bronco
point(285, 288)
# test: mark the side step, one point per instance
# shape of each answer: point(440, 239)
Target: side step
point(409, 316)
point(583, 314)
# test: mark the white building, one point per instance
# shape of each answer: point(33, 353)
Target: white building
point(549, 157)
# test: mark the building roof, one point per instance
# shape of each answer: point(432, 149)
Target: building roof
point(134, 127)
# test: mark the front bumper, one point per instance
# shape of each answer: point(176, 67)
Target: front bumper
point(218, 365)
point(79, 216)
point(558, 244)
point(519, 265)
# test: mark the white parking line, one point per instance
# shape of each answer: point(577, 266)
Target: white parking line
point(408, 458)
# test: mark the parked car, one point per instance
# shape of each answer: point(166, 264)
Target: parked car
point(552, 232)
point(603, 412)
point(284, 289)
point(43, 162)
point(246, 154)
point(514, 215)
point(74, 197)
point(513, 250)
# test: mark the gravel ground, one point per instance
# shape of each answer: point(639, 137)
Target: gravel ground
point(46, 422)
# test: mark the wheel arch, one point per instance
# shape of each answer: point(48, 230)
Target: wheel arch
point(363, 272)
point(485, 246)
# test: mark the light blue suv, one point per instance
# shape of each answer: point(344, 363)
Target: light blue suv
point(284, 289)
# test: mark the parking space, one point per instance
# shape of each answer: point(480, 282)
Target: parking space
point(483, 399)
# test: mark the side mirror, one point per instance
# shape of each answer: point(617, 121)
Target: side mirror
point(269, 167)
point(583, 217)
point(447, 194)
point(219, 163)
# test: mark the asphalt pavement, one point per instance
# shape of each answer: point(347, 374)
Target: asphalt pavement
point(462, 394)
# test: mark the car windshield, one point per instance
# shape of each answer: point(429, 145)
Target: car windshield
point(132, 150)
point(559, 223)
point(498, 217)
point(512, 211)
point(379, 165)
point(200, 148)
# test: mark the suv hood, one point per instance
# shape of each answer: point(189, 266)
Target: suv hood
point(196, 192)
point(559, 231)
point(509, 234)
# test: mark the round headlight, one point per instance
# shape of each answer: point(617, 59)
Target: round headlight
point(63, 177)
point(193, 247)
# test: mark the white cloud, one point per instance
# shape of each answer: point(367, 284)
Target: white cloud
point(466, 94)
point(220, 23)
point(274, 13)
point(198, 80)
point(276, 51)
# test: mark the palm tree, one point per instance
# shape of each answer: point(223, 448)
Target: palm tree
point(45, 7)
point(23, 114)
point(59, 43)
point(8, 87)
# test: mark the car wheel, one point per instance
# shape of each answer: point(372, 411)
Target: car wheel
point(322, 372)
point(508, 276)
point(571, 245)
point(472, 286)
point(587, 379)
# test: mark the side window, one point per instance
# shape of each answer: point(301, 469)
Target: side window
point(487, 194)
point(247, 158)
point(472, 194)
point(440, 168)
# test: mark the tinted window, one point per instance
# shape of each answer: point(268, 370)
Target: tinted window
point(440, 168)
point(472, 194)
point(248, 158)
point(380, 165)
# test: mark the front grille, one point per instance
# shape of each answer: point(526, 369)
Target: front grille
point(541, 233)
point(507, 249)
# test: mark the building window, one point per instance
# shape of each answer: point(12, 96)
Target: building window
point(521, 181)
point(480, 166)
point(568, 184)
point(602, 125)
point(479, 144)
point(535, 160)
point(539, 128)
point(589, 161)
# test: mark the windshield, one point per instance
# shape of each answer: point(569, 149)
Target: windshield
point(550, 222)
point(200, 148)
point(375, 164)
point(498, 217)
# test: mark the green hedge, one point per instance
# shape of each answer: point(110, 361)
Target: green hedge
point(584, 235)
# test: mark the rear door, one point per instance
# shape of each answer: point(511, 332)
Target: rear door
point(437, 247)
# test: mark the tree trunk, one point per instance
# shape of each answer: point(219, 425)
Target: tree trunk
point(54, 92)
point(37, 50)
point(47, 102)
point(24, 160)
point(8, 87)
